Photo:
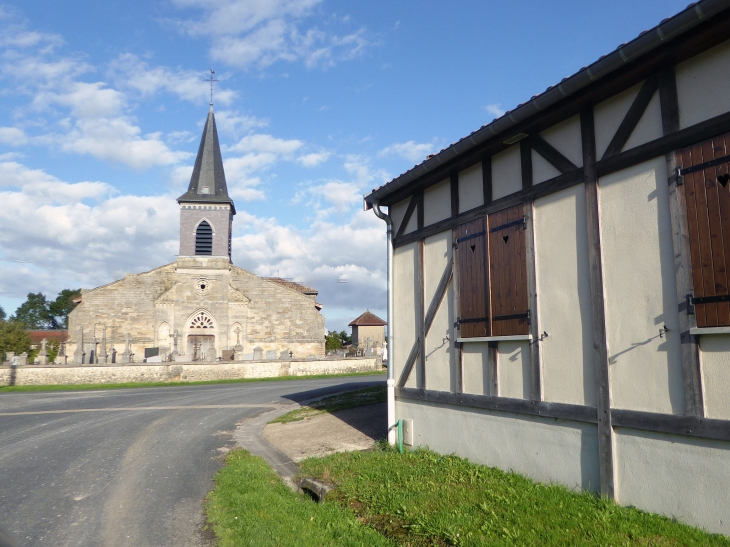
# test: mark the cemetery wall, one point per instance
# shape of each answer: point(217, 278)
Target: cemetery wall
point(180, 372)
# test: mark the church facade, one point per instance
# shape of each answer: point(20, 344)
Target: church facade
point(201, 307)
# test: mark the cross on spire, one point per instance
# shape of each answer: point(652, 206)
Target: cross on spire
point(212, 81)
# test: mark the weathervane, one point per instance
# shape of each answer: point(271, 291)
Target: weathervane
point(212, 81)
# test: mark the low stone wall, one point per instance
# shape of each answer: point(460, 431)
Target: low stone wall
point(179, 372)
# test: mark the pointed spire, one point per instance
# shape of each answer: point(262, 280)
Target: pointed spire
point(208, 182)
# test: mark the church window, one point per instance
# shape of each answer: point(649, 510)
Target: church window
point(204, 239)
point(202, 321)
point(206, 189)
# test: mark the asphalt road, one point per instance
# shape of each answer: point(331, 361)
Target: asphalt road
point(126, 467)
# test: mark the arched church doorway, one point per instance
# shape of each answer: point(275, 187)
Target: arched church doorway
point(201, 333)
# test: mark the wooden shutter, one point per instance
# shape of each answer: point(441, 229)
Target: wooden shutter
point(472, 256)
point(704, 171)
point(508, 272)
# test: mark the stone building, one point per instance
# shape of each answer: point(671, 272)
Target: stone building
point(368, 330)
point(200, 307)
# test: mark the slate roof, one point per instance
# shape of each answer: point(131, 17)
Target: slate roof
point(368, 319)
point(292, 285)
point(208, 170)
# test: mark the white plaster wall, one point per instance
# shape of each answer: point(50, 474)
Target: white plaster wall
point(609, 114)
point(564, 297)
point(715, 359)
point(475, 367)
point(703, 88)
point(404, 316)
point(549, 451)
point(506, 172)
point(640, 290)
point(649, 126)
point(437, 202)
point(565, 137)
point(471, 188)
point(542, 169)
point(513, 369)
point(397, 211)
point(680, 477)
point(439, 370)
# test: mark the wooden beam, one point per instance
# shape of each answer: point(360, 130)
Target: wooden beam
point(600, 346)
point(562, 411)
point(675, 51)
point(535, 366)
point(526, 163)
point(656, 148)
point(457, 348)
point(420, 319)
point(691, 365)
point(407, 217)
point(688, 426)
point(419, 197)
point(439, 295)
point(685, 426)
point(408, 367)
point(487, 179)
point(454, 194)
point(630, 121)
point(551, 154)
point(493, 369)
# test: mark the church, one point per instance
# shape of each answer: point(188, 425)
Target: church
point(201, 307)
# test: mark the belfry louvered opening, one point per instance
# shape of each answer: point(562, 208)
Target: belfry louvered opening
point(204, 239)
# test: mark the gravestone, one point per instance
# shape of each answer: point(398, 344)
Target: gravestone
point(227, 354)
point(258, 353)
point(22, 359)
point(270, 354)
point(43, 353)
point(284, 356)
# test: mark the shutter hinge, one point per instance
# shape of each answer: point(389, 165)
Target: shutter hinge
point(677, 177)
point(690, 305)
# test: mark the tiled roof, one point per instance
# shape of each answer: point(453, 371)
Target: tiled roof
point(37, 335)
point(292, 285)
point(368, 319)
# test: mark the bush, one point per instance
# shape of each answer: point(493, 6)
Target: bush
point(13, 337)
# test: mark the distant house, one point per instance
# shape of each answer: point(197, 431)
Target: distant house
point(368, 327)
point(36, 336)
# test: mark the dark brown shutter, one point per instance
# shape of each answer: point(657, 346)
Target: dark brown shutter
point(704, 170)
point(508, 272)
point(472, 256)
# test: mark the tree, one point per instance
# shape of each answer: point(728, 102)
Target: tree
point(2, 313)
point(34, 314)
point(13, 337)
point(333, 341)
point(346, 338)
point(62, 306)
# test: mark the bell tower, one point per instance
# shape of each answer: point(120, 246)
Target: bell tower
point(206, 211)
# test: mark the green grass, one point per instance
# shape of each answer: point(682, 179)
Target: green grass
point(251, 506)
point(351, 399)
point(423, 499)
point(127, 385)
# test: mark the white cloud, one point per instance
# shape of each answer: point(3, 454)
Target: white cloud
point(411, 150)
point(248, 33)
point(313, 159)
point(12, 136)
point(38, 184)
point(233, 123)
point(263, 143)
point(131, 72)
point(495, 109)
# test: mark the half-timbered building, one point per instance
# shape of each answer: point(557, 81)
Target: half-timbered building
point(574, 256)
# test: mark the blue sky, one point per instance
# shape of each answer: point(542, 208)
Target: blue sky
point(103, 105)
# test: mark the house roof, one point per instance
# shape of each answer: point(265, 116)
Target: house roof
point(292, 285)
point(669, 29)
point(208, 171)
point(37, 335)
point(368, 319)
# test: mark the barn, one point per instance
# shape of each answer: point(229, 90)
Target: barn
point(561, 281)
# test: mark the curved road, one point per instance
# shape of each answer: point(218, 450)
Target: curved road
point(126, 467)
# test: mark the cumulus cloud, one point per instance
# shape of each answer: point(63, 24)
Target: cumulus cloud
point(39, 184)
point(130, 72)
point(495, 109)
point(12, 136)
point(411, 150)
point(259, 33)
point(313, 159)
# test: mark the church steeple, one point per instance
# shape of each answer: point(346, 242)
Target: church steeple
point(206, 211)
point(208, 183)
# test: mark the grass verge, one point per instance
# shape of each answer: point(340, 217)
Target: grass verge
point(422, 499)
point(251, 506)
point(351, 399)
point(127, 385)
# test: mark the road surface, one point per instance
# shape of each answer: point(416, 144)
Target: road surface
point(127, 467)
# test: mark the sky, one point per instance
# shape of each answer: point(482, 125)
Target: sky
point(102, 106)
